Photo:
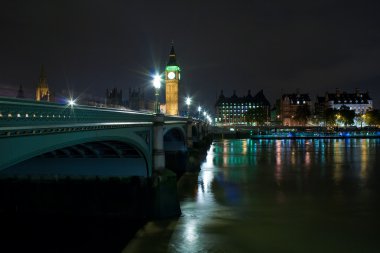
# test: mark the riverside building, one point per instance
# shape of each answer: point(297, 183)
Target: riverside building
point(232, 110)
point(289, 105)
point(359, 102)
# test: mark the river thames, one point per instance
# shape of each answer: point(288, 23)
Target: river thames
point(275, 196)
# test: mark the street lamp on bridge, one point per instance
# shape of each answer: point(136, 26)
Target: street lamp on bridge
point(157, 85)
point(188, 102)
point(71, 102)
point(199, 112)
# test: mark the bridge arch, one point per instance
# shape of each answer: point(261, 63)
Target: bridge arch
point(75, 143)
point(175, 148)
point(174, 139)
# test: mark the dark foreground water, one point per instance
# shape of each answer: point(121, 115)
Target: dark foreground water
point(275, 196)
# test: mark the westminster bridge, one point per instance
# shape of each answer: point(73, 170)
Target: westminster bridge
point(50, 140)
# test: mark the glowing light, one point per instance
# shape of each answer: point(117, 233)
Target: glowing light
point(188, 101)
point(157, 81)
point(172, 68)
point(199, 108)
point(71, 102)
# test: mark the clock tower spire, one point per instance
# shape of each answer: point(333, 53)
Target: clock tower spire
point(172, 77)
point(42, 91)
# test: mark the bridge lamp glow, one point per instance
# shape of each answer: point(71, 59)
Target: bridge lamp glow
point(157, 85)
point(188, 102)
point(157, 81)
point(199, 112)
point(71, 102)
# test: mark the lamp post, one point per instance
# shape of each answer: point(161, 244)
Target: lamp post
point(199, 112)
point(188, 102)
point(157, 85)
point(362, 119)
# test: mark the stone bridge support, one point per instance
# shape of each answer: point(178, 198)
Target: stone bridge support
point(158, 143)
point(200, 132)
point(164, 182)
point(189, 132)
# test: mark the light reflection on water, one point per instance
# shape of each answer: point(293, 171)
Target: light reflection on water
point(275, 196)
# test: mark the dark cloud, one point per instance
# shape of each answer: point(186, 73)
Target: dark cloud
point(277, 46)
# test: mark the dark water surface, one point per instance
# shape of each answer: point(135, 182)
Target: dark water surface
point(275, 196)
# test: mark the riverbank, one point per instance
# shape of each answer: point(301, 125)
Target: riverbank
point(294, 133)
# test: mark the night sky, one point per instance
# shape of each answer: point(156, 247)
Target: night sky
point(278, 46)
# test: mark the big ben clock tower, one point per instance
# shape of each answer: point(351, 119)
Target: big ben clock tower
point(172, 77)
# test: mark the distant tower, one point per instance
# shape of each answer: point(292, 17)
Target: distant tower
point(20, 92)
point(42, 91)
point(114, 98)
point(136, 99)
point(172, 77)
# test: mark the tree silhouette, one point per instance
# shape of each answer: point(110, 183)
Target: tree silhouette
point(346, 115)
point(372, 118)
point(302, 114)
point(256, 115)
point(330, 116)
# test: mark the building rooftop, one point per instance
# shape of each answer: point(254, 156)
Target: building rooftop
point(258, 99)
point(296, 97)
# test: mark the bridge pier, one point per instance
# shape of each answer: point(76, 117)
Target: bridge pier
point(189, 132)
point(200, 132)
point(164, 182)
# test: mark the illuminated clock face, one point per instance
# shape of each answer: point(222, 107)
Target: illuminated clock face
point(171, 75)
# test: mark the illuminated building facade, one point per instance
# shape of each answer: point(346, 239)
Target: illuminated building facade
point(359, 102)
point(232, 110)
point(42, 90)
point(172, 77)
point(289, 105)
